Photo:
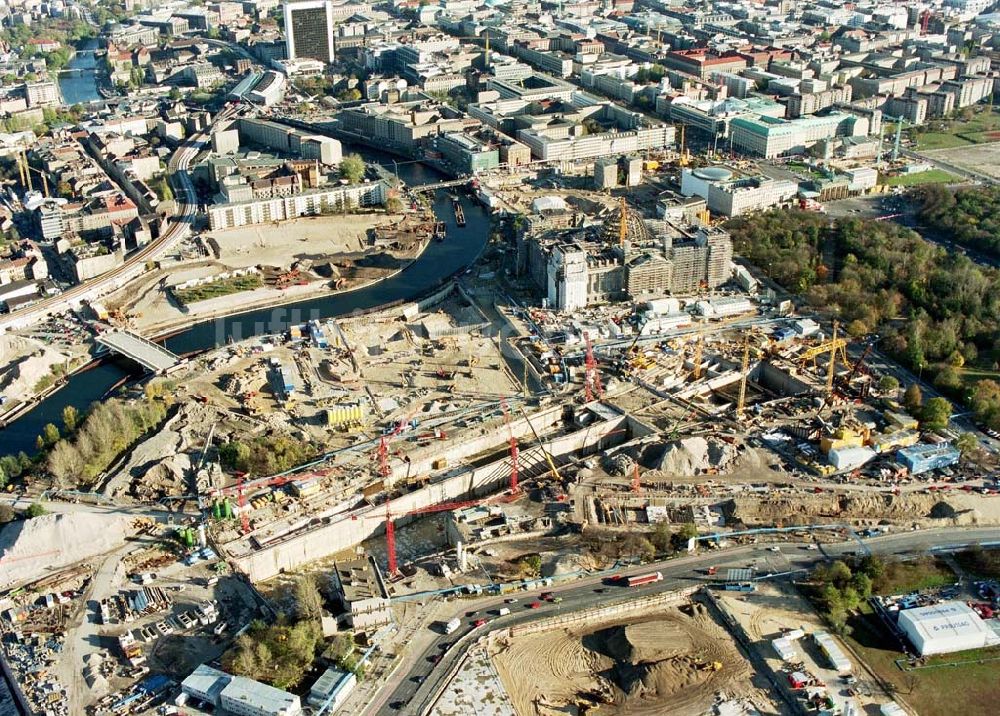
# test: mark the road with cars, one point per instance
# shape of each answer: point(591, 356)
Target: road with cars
point(418, 677)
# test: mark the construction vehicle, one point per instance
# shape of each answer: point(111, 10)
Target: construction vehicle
point(709, 666)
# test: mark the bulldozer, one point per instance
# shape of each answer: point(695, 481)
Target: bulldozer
point(709, 666)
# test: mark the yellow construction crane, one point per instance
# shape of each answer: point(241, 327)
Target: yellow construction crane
point(832, 346)
point(684, 158)
point(696, 372)
point(622, 224)
point(741, 403)
point(486, 49)
point(548, 458)
point(833, 359)
point(25, 170)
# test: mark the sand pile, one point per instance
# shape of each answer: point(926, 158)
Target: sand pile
point(647, 642)
point(658, 665)
point(20, 375)
point(43, 544)
point(695, 455)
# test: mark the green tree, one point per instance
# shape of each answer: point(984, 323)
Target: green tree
point(913, 398)
point(985, 402)
point(888, 384)
point(352, 168)
point(661, 537)
point(34, 510)
point(935, 414)
point(839, 574)
point(967, 444)
point(71, 417)
point(680, 539)
point(308, 601)
point(50, 434)
point(862, 584)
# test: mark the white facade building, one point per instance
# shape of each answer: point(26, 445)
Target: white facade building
point(311, 203)
point(945, 628)
point(567, 278)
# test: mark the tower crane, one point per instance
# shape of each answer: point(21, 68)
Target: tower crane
point(833, 359)
point(382, 451)
point(622, 223)
point(25, 169)
point(514, 488)
point(390, 527)
point(242, 500)
point(591, 376)
point(741, 403)
point(698, 348)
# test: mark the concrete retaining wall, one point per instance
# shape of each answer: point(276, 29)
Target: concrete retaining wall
point(348, 530)
point(610, 611)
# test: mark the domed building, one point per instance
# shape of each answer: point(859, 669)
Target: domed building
point(636, 231)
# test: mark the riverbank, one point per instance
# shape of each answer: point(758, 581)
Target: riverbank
point(154, 313)
point(439, 262)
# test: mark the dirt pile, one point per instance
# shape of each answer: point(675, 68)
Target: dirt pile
point(37, 546)
point(672, 661)
point(694, 456)
point(801, 509)
point(20, 376)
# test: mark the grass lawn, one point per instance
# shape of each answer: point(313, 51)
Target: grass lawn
point(971, 376)
point(971, 689)
point(940, 140)
point(923, 573)
point(980, 128)
point(931, 176)
point(215, 289)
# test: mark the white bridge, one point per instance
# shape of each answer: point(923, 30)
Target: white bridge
point(149, 355)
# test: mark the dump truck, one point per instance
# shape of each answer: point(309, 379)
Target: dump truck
point(452, 625)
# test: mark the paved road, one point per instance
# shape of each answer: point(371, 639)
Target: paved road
point(135, 265)
point(417, 678)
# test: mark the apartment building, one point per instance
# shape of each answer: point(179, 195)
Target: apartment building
point(229, 215)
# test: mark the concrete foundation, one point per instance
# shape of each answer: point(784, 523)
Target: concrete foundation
point(344, 531)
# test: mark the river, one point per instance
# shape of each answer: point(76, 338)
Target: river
point(438, 262)
point(80, 87)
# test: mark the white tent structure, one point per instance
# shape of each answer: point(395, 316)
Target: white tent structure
point(944, 628)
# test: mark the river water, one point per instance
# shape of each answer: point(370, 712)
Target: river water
point(438, 262)
point(80, 86)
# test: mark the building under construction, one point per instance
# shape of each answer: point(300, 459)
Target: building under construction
point(626, 257)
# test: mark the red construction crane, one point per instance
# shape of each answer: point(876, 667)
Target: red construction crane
point(252, 485)
point(514, 488)
point(244, 517)
point(382, 451)
point(591, 376)
point(390, 527)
